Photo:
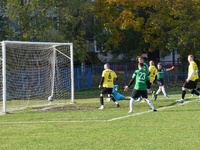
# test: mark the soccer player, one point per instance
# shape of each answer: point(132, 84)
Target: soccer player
point(160, 80)
point(140, 88)
point(152, 75)
point(146, 67)
point(192, 79)
point(116, 96)
point(107, 84)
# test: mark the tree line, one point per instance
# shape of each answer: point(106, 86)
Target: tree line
point(126, 27)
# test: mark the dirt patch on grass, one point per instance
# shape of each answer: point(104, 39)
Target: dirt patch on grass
point(64, 108)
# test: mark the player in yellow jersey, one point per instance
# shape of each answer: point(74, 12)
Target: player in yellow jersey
point(152, 75)
point(192, 79)
point(107, 84)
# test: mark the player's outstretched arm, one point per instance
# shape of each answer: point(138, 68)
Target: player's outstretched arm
point(130, 83)
point(169, 69)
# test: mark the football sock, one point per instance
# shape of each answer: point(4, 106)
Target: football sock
point(150, 103)
point(183, 94)
point(131, 103)
point(195, 92)
point(101, 100)
point(112, 98)
point(158, 92)
point(163, 90)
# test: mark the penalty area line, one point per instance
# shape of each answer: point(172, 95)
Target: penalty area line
point(145, 112)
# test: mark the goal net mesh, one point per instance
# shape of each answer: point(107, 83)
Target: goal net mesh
point(35, 72)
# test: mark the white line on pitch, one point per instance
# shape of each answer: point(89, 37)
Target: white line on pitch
point(140, 113)
point(84, 121)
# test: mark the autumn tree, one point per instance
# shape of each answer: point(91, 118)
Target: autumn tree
point(133, 27)
point(50, 21)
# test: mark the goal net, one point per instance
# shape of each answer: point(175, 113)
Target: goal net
point(35, 74)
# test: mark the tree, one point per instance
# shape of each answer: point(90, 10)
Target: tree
point(49, 21)
point(73, 23)
point(3, 20)
point(165, 25)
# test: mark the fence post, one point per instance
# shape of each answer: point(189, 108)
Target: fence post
point(78, 78)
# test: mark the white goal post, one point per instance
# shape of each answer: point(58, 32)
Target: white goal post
point(35, 72)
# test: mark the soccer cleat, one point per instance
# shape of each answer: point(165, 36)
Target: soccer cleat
point(154, 110)
point(180, 101)
point(130, 111)
point(117, 105)
point(166, 96)
point(155, 97)
point(102, 107)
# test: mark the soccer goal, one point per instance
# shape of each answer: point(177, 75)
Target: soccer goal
point(35, 74)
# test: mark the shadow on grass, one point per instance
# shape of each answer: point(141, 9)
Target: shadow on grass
point(176, 103)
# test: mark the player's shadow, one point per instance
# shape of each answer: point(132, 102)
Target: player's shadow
point(168, 105)
point(175, 103)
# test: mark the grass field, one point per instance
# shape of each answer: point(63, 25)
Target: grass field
point(81, 126)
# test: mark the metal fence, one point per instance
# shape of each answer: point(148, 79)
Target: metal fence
point(88, 77)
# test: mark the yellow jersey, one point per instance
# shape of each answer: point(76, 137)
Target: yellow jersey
point(109, 76)
point(152, 73)
point(191, 67)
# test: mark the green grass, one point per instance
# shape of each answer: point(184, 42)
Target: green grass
point(84, 127)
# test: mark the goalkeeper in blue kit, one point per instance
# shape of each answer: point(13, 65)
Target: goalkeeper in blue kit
point(116, 96)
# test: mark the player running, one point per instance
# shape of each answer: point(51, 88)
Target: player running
point(160, 80)
point(146, 68)
point(107, 83)
point(192, 79)
point(140, 88)
point(152, 75)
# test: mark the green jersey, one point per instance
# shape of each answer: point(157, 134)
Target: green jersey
point(160, 74)
point(140, 76)
point(146, 67)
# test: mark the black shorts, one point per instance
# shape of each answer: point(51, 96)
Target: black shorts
point(139, 93)
point(190, 84)
point(148, 83)
point(106, 90)
point(160, 82)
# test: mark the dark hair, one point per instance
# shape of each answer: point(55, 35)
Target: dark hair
point(191, 56)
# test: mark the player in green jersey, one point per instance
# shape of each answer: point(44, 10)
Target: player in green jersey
point(146, 68)
point(160, 80)
point(140, 77)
